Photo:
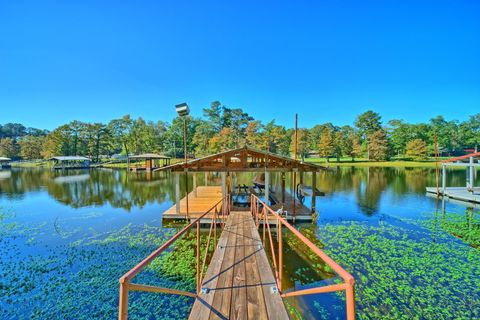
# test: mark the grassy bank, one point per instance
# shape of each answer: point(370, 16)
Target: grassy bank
point(367, 163)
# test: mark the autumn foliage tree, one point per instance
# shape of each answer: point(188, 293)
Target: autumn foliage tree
point(378, 145)
point(326, 146)
point(416, 150)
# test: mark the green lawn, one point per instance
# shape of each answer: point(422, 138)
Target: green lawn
point(361, 162)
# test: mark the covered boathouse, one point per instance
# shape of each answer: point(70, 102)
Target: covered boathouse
point(228, 165)
point(147, 162)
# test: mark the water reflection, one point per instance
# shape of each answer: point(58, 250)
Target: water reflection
point(122, 189)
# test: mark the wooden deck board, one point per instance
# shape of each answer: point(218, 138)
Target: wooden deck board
point(458, 193)
point(199, 201)
point(239, 277)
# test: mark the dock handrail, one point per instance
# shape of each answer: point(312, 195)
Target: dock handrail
point(349, 281)
point(125, 280)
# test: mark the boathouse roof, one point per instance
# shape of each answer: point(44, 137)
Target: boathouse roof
point(149, 156)
point(246, 159)
point(70, 158)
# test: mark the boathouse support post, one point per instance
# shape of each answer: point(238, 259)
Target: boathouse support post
point(470, 172)
point(194, 177)
point(444, 178)
point(283, 189)
point(314, 190)
point(206, 179)
point(224, 190)
point(267, 187)
point(177, 192)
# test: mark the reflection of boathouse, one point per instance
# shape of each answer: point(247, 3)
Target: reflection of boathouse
point(4, 162)
point(70, 162)
point(229, 165)
point(147, 162)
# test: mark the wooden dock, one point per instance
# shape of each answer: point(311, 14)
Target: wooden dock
point(204, 197)
point(199, 201)
point(239, 283)
point(458, 193)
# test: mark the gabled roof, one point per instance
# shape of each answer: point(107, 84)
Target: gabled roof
point(246, 159)
point(69, 158)
point(149, 156)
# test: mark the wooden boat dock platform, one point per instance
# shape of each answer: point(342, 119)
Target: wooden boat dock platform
point(204, 197)
point(239, 282)
point(458, 193)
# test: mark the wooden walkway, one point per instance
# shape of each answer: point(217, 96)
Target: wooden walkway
point(239, 283)
point(458, 193)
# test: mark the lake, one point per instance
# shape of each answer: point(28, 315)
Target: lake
point(67, 237)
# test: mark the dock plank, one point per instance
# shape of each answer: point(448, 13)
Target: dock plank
point(239, 279)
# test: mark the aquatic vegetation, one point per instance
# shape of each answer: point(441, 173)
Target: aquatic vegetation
point(402, 274)
point(80, 280)
point(465, 227)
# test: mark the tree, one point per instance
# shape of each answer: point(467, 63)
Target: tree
point(303, 143)
point(378, 145)
point(416, 150)
point(253, 136)
point(368, 123)
point(31, 147)
point(8, 148)
point(356, 147)
point(338, 142)
point(326, 146)
point(120, 133)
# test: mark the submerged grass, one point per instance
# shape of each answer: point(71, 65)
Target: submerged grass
point(80, 280)
point(402, 274)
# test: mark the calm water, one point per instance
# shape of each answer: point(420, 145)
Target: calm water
point(66, 238)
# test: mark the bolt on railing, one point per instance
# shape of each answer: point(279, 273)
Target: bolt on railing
point(125, 281)
point(262, 215)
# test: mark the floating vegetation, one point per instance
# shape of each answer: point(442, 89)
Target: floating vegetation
point(402, 274)
point(80, 280)
point(465, 227)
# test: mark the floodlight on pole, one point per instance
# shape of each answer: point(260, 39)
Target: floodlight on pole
point(183, 111)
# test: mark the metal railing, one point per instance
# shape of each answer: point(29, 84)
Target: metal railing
point(125, 281)
point(263, 212)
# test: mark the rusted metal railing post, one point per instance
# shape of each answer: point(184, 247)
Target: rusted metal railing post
point(280, 255)
point(198, 258)
point(350, 297)
point(123, 301)
point(215, 228)
point(263, 213)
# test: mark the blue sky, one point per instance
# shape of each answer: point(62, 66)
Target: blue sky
point(326, 60)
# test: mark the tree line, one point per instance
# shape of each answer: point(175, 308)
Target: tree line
point(222, 128)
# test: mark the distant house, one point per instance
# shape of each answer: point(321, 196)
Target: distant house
point(4, 162)
point(70, 162)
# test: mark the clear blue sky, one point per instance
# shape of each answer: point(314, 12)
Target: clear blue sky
point(327, 60)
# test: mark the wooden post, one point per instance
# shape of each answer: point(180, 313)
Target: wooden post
point(444, 178)
point(206, 179)
point(267, 187)
point(314, 189)
point(470, 174)
point(177, 192)
point(194, 177)
point(283, 188)
point(224, 190)
point(123, 301)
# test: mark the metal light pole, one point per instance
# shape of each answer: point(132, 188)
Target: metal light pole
point(183, 111)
